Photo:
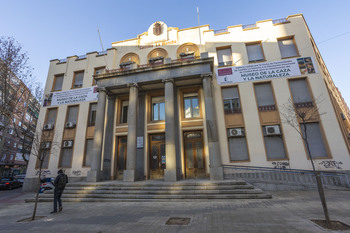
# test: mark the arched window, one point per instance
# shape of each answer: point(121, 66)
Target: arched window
point(157, 56)
point(128, 60)
point(187, 51)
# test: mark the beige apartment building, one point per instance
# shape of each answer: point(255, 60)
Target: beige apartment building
point(180, 103)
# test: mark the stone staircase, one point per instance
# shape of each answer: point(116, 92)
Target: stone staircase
point(156, 190)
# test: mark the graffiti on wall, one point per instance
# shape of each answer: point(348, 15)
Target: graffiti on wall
point(331, 164)
point(44, 173)
point(280, 165)
point(76, 173)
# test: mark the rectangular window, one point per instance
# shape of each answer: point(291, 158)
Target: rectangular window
point(315, 139)
point(158, 109)
point(224, 56)
point(124, 113)
point(237, 145)
point(255, 52)
point(51, 116)
point(72, 114)
point(264, 97)
point(274, 142)
point(45, 156)
point(98, 71)
point(66, 157)
point(92, 114)
point(78, 79)
point(191, 105)
point(58, 82)
point(287, 47)
point(300, 93)
point(231, 100)
point(88, 152)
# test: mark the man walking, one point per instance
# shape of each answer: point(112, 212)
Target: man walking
point(59, 183)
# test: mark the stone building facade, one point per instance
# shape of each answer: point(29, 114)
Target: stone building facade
point(179, 103)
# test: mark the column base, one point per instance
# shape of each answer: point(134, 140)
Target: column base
point(129, 176)
point(94, 176)
point(216, 173)
point(170, 175)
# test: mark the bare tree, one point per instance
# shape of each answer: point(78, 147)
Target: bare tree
point(19, 93)
point(43, 145)
point(298, 115)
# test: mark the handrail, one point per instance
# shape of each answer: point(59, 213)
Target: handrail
point(277, 169)
point(339, 175)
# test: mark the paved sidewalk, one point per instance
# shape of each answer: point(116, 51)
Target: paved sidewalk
point(287, 211)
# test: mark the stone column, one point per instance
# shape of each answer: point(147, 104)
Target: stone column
point(109, 137)
point(94, 174)
point(129, 173)
point(170, 151)
point(216, 171)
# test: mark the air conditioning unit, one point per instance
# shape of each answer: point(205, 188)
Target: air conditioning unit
point(67, 144)
point(45, 145)
point(236, 132)
point(272, 130)
point(48, 127)
point(226, 63)
point(70, 124)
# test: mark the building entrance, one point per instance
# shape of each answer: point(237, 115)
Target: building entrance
point(194, 156)
point(157, 156)
point(121, 156)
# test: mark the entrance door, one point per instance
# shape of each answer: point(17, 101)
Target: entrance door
point(157, 156)
point(194, 156)
point(121, 156)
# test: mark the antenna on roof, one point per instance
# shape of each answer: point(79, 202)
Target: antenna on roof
point(199, 31)
point(99, 35)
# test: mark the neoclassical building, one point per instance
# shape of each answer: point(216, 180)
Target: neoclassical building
point(180, 103)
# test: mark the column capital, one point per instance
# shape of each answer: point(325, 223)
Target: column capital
point(168, 80)
point(110, 97)
point(133, 85)
point(101, 89)
point(207, 75)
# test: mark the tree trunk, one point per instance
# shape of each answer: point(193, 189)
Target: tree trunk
point(37, 193)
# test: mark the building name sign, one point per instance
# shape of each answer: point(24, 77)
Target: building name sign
point(266, 70)
point(70, 97)
point(157, 43)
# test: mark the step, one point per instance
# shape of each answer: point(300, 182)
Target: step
point(141, 198)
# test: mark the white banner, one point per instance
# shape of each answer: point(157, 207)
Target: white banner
point(266, 70)
point(71, 97)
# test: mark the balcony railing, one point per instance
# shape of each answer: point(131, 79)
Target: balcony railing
point(304, 105)
point(81, 57)
point(154, 64)
point(276, 21)
point(220, 31)
point(247, 26)
point(267, 108)
point(102, 53)
point(62, 60)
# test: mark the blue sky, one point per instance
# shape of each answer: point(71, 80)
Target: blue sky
point(57, 29)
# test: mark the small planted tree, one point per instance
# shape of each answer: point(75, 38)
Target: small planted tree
point(44, 144)
point(298, 116)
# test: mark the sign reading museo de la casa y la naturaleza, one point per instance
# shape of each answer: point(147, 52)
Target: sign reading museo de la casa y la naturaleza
point(265, 70)
point(70, 97)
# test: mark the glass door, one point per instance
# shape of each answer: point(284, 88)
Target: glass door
point(157, 156)
point(194, 156)
point(121, 156)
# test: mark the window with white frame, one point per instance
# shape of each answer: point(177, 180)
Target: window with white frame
point(231, 100)
point(224, 56)
point(158, 108)
point(191, 105)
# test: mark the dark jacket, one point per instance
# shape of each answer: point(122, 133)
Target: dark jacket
point(55, 183)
